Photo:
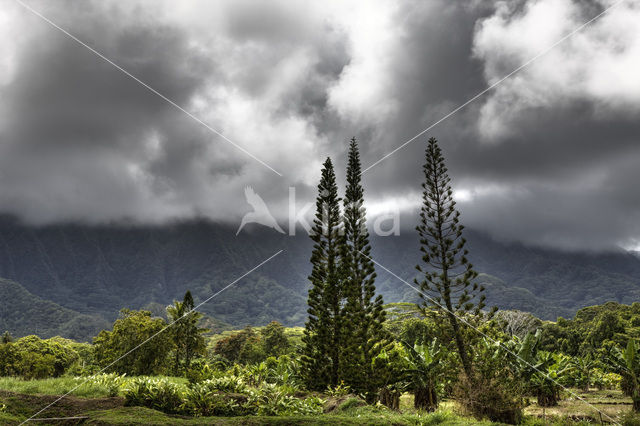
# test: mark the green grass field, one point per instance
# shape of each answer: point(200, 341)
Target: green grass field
point(19, 399)
point(145, 416)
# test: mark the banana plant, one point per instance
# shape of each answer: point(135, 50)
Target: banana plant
point(389, 366)
point(527, 362)
point(425, 364)
point(551, 371)
point(583, 368)
point(541, 371)
point(627, 363)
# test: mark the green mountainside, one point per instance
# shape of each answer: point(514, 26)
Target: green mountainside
point(22, 313)
point(97, 270)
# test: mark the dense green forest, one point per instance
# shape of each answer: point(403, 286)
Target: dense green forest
point(257, 370)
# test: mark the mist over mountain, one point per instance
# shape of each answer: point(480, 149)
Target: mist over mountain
point(96, 270)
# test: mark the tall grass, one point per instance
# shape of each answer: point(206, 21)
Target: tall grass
point(57, 386)
point(102, 385)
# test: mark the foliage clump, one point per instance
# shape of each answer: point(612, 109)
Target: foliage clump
point(136, 346)
point(33, 358)
point(495, 391)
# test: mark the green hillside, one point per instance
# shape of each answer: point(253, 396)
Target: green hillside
point(22, 313)
point(97, 270)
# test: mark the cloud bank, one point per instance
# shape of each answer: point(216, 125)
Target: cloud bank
point(548, 157)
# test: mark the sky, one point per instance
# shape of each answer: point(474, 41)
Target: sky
point(549, 156)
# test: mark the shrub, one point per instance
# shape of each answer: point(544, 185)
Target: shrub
point(86, 364)
point(33, 358)
point(339, 390)
point(201, 400)
point(230, 384)
point(158, 394)
point(272, 400)
point(491, 398)
point(130, 330)
point(284, 370)
point(112, 382)
point(199, 371)
point(494, 391)
point(274, 340)
point(604, 380)
point(244, 347)
point(425, 365)
point(221, 396)
point(630, 419)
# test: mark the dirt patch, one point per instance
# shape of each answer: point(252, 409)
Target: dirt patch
point(69, 406)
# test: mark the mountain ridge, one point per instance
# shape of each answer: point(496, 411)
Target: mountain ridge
point(99, 269)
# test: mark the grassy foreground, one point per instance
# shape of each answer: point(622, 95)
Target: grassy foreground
point(356, 416)
point(110, 411)
point(19, 399)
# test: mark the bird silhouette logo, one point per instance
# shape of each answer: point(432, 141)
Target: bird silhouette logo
point(260, 213)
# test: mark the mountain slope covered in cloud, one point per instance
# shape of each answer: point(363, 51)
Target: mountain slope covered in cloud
point(97, 270)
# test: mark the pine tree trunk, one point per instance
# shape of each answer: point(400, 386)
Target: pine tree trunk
point(337, 345)
point(464, 358)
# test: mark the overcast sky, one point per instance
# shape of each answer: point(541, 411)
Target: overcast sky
point(550, 156)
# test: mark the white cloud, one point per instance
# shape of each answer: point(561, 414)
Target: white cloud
point(364, 92)
point(596, 65)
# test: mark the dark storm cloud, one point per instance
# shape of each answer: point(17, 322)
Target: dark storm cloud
point(83, 141)
point(548, 157)
point(554, 175)
point(81, 136)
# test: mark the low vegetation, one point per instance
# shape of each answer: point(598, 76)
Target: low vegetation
point(415, 379)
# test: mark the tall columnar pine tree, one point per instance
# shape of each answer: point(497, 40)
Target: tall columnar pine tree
point(447, 281)
point(363, 311)
point(324, 328)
